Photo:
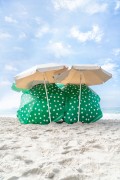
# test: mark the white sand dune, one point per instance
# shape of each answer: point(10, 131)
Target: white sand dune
point(59, 151)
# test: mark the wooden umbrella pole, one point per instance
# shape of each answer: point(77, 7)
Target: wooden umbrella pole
point(47, 98)
point(79, 100)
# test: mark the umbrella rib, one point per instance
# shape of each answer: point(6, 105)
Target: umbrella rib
point(98, 77)
point(46, 76)
point(70, 79)
point(83, 77)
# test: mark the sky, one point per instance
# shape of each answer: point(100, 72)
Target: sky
point(59, 31)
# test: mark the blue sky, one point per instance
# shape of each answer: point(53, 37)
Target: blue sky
point(59, 31)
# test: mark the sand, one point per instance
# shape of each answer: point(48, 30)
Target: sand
point(59, 151)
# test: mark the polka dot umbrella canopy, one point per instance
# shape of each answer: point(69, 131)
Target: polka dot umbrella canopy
point(34, 109)
point(90, 108)
point(82, 103)
point(41, 95)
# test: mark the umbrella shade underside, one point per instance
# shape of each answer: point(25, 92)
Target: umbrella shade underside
point(34, 107)
point(88, 77)
point(38, 74)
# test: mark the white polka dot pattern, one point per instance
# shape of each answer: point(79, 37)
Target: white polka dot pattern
point(63, 105)
point(34, 108)
point(90, 108)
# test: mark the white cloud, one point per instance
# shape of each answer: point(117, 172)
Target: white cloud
point(95, 8)
point(44, 28)
point(95, 34)
point(39, 20)
point(22, 35)
point(9, 101)
point(116, 51)
point(4, 83)
point(117, 6)
point(21, 10)
point(59, 49)
point(16, 48)
point(41, 31)
point(91, 7)
point(10, 68)
point(68, 4)
point(9, 19)
point(4, 35)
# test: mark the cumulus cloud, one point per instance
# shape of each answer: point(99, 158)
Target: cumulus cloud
point(39, 20)
point(9, 19)
point(117, 6)
point(4, 35)
point(116, 51)
point(90, 7)
point(41, 31)
point(59, 49)
point(21, 10)
point(18, 49)
point(68, 4)
point(44, 28)
point(95, 34)
point(10, 68)
point(95, 8)
point(22, 35)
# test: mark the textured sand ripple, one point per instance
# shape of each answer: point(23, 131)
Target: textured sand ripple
point(59, 151)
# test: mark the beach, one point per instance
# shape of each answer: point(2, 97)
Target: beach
point(59, 151)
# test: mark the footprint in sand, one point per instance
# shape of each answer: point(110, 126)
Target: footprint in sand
point(97, 146)
point(4, 147)
point(92, 141)
point(16, 147)
point(13, 178)
point(49, 175)
point(34, 137)
point(70, 177)
point(69, 174)
point(65, 152)
point(67, 147)
point(80, 132)
point(14, 141)
point(27, 161)
point(65, 161)
point(33, 171)
point(71, 145)
point(48, 130)
point(19, 157)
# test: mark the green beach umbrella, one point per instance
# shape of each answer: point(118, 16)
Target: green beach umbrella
point(90, 108)
point(83, 75)
point(34, 109)
point(43, 73)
